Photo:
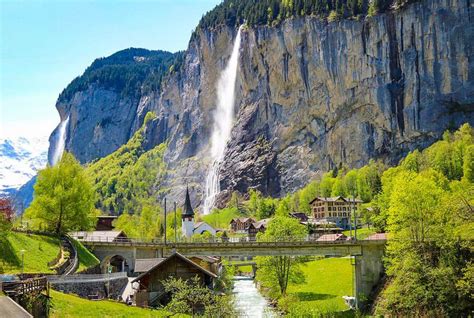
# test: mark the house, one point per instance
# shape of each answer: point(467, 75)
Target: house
point(332, 238)
point(188, 227)
point(104, 222)
point(100, 236)
point(143, 265)
point(150, 290)
point(335, 210)
point(301, 216)
point(257, 227)
point(240, 225)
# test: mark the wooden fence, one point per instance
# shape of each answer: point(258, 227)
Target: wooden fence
point(27, 286)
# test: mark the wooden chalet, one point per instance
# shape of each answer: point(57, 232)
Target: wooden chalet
point(151, 292)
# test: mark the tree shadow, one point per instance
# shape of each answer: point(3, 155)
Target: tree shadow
point(7, 253)
point(309, 296)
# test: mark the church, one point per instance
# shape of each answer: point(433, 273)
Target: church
point(188, 226)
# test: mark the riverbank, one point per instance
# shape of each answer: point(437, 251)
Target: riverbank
point(326, 281)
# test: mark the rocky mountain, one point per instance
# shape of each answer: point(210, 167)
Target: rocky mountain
point(311, 95)
point(20, 159)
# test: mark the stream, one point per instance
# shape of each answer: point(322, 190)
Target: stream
point(248, 300)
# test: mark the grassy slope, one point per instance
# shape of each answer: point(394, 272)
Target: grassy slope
point(39, 250)
point(69, 306)
point(86, 258)
point(327, 280)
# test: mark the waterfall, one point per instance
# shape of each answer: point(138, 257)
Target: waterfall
point(60, 141)
point(223, 122)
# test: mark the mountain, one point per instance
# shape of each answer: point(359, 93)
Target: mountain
point(314, 92)
point(20, 159)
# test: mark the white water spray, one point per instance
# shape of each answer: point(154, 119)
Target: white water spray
point(60, 142)
point(223, 122)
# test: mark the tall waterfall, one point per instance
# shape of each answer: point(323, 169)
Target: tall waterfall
point(60, 141)
point(223, 122)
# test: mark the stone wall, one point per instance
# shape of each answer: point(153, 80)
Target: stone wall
point(102, 287)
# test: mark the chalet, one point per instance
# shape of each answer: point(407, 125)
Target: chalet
point(151, 292)
point(257, 227)
point(332, 238)
point(241, 225)
point(336, 210)
point(100, 236)
point(104, 222)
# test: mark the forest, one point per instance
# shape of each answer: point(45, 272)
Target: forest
point(271, 12)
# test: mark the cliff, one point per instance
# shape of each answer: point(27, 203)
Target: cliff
point(310, 96)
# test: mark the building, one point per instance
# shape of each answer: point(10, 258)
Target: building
point(105, 222)
point(188, 227)
point(150, 290)
point(100, 236)
point(241, 225)
point(336, 210)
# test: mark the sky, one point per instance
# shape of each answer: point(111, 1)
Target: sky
point(46, 44)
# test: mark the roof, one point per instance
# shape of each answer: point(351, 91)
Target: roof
point(198, 224)
point(243, 220)
point(188, 209)
point(144, 265)
point(94, 236)
point(208, 259)
point(175, 255)
point(331, 237)
point(377, 237)
point(334, 199)
point(107, 217)
point(299, 215)
point(9, 308)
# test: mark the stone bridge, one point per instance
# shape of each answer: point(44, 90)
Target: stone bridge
point(367, 254)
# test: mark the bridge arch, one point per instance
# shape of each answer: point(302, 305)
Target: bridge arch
point(114, 263)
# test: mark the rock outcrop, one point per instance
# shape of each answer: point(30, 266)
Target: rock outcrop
point(311, 96)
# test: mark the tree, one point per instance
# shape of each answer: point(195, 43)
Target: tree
point(276, 271)
point(63, 198)
point(192, 298)
point(6, 216)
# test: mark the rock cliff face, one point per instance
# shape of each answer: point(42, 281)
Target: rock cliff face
point(311, 96)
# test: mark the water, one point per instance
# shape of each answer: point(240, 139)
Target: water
point(248, 301)
point(223, 122)
point(60, 141)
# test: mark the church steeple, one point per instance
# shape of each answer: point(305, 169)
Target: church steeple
point(188, 209)
point(187, 218)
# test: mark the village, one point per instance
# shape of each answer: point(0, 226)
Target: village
point(137, 279)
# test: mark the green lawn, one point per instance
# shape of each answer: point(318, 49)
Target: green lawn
point(39, 250)
point(86, 258)
point(327, 280)
point(362, 233)
point(70, 306)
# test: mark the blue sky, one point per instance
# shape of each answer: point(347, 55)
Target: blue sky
point(45, 44)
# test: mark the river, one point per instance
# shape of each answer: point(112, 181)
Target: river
point(248, 301)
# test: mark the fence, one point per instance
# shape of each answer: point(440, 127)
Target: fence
point(27, 286)
point(85, 278)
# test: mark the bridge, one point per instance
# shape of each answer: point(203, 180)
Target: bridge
point(367, 254)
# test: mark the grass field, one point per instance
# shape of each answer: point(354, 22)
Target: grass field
point(86, 258)
point(38, 251)
point(362, 233)
point(69, 306)
point(327, 280)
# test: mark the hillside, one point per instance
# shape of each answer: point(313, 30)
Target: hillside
point(69, 306)
point(38, 250)
point(312, 94)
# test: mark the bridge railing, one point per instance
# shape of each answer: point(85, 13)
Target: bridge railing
point(214, 241)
